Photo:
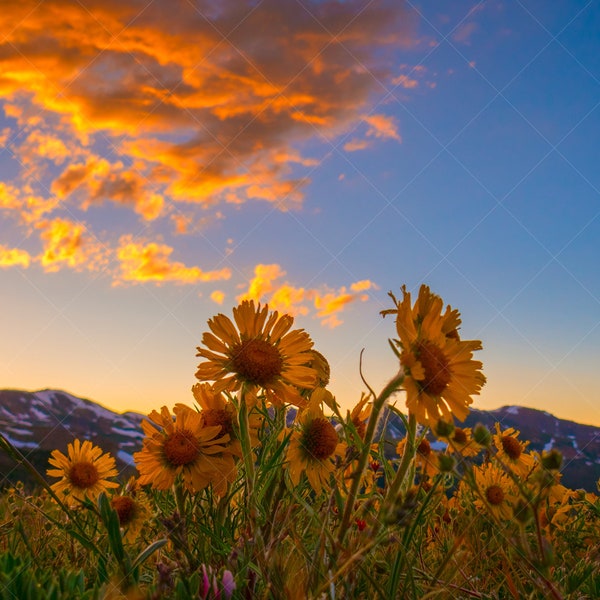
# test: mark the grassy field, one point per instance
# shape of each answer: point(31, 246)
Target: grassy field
point(234, 499)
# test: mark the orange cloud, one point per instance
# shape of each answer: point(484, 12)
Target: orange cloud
point(355, 144)
point(98, 180)
point(151, 262)
point(382, 126)
point(67, 243)
point(10, 257)
point(206, 115)
point(217, 296)
point(294, 300)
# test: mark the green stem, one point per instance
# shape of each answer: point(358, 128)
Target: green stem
point(249, 479)
point(363, 459)
point(400, 480)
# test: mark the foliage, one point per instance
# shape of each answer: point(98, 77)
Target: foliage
point(266, 490)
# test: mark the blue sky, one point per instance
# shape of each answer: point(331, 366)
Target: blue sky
point(156, 166)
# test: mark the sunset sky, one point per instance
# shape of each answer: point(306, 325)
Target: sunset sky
point(161, 160)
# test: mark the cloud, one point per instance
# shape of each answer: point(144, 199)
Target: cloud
point(382, 126)
point(98, 180)
point(356, 144)
point(11, 257)
point(151, 262)
point(217, 296)
point(207, 101)
point(288, 298)
point(67, 243)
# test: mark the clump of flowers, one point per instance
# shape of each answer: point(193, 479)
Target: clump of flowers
point(440, 373)
point(264, 489)
point(185, 446)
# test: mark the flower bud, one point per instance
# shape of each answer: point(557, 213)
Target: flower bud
point(482, 435)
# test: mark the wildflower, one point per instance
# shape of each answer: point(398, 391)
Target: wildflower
point(511, 451)
point(440, 373)
point(425, 458)
point(359, 416)
point(185, 446)
point(462, 442)
point(84, 472)
point(132, 510)
point(262, 352)
point(497, 491)
point(313, 445)
point(217, 410)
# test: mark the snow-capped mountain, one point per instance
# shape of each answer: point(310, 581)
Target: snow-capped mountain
point(579, 444)
point(38, 422)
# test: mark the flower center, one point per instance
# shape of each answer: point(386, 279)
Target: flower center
point(319, 438)
point(257, 361)
point(219, 416)
point(181, 448)
point(511, 446)
point(494, 495)
point(125, 508)
point(424, 448)
point(436, 366)
point(83, 475)
point(460, 437)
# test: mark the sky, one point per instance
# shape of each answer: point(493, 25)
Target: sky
point(162, 160)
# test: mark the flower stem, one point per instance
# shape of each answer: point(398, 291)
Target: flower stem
point(378, 404)
point(400, 480)
point(244, 425)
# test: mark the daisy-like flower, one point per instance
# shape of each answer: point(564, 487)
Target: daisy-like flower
point(84, 472)
point(426, 459)
point(498, 492)
point(132, 509)
point(440, 373)
point(511, 451)
point(314, 445)
point(360, 414)
point(217, 410)
point(185, 446)
point(259, 351)
point(461, 441)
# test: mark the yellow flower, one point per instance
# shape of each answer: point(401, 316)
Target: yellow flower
point(497, 493)
point(84, 472)
point(511, 451)
point(426, 460)
point(313, 445)
point(217, 410)
point(461, 441)
point(261, 352)
point(440, 373)
point(185, 446)
point(133, 511)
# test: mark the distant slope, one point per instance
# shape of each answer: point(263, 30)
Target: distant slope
point(39, 422)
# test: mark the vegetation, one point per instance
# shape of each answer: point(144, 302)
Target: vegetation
point(264, 489)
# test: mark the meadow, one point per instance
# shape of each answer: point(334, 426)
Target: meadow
point(262, 488)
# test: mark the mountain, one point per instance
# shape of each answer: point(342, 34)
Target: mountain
point(39, 422)
point(579, 444)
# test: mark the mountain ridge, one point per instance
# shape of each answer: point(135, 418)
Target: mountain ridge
point(37, 422)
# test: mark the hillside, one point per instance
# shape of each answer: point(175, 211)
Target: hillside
point(39, 422)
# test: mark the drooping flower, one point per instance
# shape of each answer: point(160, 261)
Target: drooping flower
point(440, 373)
point(84, 472)
point(426, 459)
point(217, 410)
point(511, 451)
point(184, 446)
point(497, 493)
point(259, 351)
point(313, 445)
point(461, 441)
